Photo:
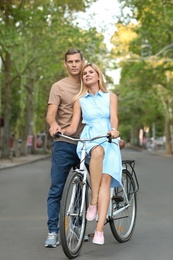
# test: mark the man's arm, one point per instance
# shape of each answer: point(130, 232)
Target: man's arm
point(51, 119)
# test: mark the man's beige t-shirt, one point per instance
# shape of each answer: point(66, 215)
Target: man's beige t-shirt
point(61, 94)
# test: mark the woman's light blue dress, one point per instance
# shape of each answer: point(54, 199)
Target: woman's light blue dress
point(96, 117)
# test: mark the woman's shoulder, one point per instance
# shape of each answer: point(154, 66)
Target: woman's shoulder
point(113, 95)
point(109, 95)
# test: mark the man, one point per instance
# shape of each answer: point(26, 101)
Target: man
point(64, 156)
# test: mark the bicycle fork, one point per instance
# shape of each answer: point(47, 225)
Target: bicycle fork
point(83, 191)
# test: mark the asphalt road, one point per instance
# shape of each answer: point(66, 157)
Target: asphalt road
point(23, 230)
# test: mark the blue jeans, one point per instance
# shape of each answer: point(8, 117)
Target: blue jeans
point(64, 157)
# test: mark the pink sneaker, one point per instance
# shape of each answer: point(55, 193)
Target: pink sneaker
point(98, 238)
point(91, 212)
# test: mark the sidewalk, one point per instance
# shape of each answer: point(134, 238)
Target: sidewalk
point(16, 161)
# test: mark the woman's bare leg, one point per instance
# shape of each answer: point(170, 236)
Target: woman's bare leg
point(103, 201)
point(96, 163)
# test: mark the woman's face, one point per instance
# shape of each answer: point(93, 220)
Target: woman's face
point(90, 76)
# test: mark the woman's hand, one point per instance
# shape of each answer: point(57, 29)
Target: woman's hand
point(114, 133)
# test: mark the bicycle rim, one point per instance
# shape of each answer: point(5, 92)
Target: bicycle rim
point(72, 217)
point(122, 225)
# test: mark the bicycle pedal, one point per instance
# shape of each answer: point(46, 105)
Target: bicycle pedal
point(86, 238)
point(118, 198)
point(91, 235)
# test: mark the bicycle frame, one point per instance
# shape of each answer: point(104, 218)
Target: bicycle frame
point(82, 169)
point(121, 213)
point(109, 214)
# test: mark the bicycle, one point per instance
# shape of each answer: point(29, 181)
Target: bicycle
point(122, 209)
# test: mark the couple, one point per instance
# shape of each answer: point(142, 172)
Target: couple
point(81, 105)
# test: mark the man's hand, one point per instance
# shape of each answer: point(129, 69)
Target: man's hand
point(54, 128)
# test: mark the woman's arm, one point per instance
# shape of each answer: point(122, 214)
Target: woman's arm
point(114, 115)
point(70, 130)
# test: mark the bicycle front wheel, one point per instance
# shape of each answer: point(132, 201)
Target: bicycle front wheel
point(73, 215)
point(124, 209)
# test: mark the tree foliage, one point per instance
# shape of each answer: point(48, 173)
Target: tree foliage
point(144, 50)
point(34, 35)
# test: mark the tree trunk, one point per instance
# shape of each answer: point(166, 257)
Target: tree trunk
point(7, 107)
point(28, 118)
point(168, 136)
point(16, 148)
point(23, 148)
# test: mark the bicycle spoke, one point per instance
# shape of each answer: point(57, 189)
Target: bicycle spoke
point(72, 216)
point(124, 212)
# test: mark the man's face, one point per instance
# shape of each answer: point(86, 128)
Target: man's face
point(74, 64)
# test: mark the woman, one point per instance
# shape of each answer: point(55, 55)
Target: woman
point(98, 109)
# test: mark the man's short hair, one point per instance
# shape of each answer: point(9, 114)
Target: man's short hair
point(73, 51)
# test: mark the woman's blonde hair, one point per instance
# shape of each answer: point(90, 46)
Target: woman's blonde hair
point(84, 88)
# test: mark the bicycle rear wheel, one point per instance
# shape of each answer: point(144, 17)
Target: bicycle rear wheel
point(72, 216)
point(122, 224)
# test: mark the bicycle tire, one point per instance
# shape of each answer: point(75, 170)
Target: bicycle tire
point(122, 225)
point(72, 223)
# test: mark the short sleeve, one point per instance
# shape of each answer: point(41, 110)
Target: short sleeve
point(55, 95)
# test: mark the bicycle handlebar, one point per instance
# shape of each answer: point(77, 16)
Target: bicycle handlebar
point(59, 134)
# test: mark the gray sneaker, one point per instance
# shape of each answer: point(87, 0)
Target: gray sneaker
point(52, 240)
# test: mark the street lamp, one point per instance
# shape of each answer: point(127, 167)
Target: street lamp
point(0, 84)
point(146, 49)
point(1, 120)
point(166, 52)
point(165, 55)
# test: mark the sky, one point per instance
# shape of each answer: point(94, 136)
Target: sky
point(104, 19)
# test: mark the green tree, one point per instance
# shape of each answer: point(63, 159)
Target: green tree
point(33, 36)
point(146, 58)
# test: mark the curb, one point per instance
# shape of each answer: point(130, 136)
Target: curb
point(16, 164)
